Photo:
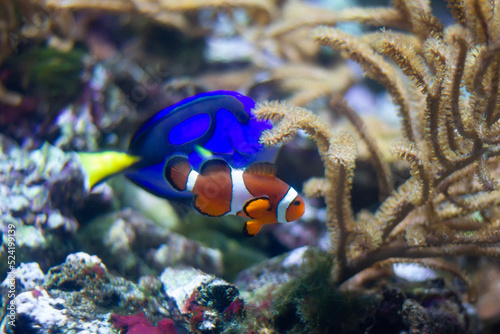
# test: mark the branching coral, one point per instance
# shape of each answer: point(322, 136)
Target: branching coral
point(287, 32)
point(168, 12)
point(310, 82)
point(451, 126)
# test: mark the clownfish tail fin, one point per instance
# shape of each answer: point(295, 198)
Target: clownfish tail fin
point(176, 172)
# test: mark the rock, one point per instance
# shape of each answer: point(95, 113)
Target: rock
point(133, 244)
point(40, 190)
point(41, 309)
point(210, 303)
point(28, 277)
point(79, 296)
point(257, 282)
point(30, 236)
point(178, 250)
point(57, 221)
point(77, 129)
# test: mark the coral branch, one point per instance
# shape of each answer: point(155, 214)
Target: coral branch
point(374, 66)
point(451, 139)
point(382, 168)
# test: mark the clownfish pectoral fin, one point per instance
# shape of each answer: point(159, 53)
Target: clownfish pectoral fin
point(262, 168)
point(251, 228)
point(257, 207)
point(213, 166)
point(211, 208)
point(176, 172)
point(100, 165)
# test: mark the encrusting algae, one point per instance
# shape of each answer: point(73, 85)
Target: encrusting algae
point(450, 125)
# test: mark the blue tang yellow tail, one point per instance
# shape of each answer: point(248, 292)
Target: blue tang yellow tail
point(219, 122)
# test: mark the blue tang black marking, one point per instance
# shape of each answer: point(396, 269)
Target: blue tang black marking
point(218, 121)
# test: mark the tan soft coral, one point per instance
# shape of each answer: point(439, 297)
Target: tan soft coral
point(451, 138)
point(169, 12)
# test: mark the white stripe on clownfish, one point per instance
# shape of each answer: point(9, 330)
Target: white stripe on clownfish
point(191, 179)
point(284, 203)
point(240, 194)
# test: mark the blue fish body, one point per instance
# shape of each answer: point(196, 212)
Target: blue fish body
point(218, 121)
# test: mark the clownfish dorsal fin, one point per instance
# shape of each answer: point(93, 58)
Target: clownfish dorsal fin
point(262, 168)
point(214, 165)
point(255, 207)
point(176, 172)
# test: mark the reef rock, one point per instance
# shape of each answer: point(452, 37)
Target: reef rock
point(80, 295)
point(39, 191)
point(210, 304)
point(294, 293)
point(28, 277)
point(133, 244)
point(38, 307)
point(259, 281)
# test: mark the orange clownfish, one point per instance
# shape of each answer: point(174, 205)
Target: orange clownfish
point(254, 192)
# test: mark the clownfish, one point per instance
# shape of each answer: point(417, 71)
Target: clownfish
point(253, 192)
point(218, 122)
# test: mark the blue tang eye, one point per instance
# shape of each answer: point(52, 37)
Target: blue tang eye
point(219, 121)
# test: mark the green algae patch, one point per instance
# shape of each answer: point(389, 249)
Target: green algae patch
point(312, 303)
point(48, 73)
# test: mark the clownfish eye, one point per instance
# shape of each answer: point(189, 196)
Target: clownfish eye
point(295, 209)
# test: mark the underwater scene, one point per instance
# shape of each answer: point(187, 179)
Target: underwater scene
point(249, 166)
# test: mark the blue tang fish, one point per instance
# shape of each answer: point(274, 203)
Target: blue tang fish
point(219, 122)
